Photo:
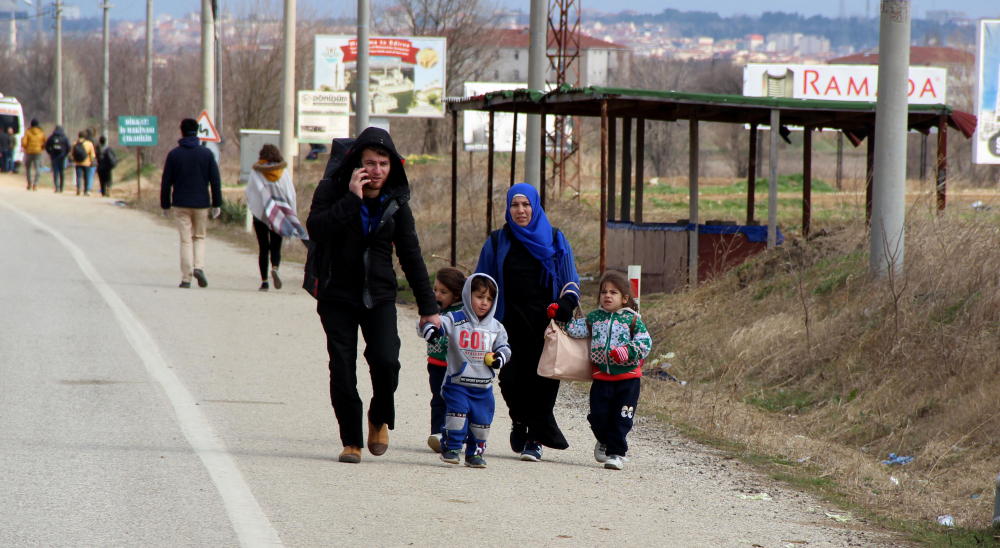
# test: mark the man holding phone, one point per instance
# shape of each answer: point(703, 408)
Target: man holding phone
point(358, 216)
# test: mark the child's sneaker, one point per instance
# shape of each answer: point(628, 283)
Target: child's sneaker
point(532, 451)
point(475, 461)
point(600, 452)
point(614, 462)
point(434, 442)
point(451, 457)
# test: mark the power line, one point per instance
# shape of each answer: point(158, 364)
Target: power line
point(27, 17)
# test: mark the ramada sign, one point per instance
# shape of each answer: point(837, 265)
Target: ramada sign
point(382, 47)
point(928, 86)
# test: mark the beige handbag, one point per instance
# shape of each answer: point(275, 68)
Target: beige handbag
point(563, 357)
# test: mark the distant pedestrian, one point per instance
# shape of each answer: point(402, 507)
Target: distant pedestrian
point(271, 199)
point(448, 285)
point(618, 344)
point(91, 133)
point(6, 142)
point(33, 143)
point(84, 156)
point(189, 172)
point(107, 160)
point(11, 164)
point(58, 148)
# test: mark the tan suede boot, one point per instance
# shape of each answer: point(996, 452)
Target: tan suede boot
point(378, 439)
point(351, 454)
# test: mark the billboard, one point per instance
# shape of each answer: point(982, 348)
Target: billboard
point(406, 74)
point(928, 85)
point(323, 116)
point(476, 124)
point(986, 141)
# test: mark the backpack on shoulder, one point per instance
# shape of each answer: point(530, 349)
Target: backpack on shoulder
point(79, 153)
point(312, 277)
point(110, 158)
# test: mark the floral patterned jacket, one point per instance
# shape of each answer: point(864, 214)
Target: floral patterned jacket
point(608, 331)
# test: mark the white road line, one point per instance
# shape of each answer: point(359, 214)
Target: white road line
point(252, 527)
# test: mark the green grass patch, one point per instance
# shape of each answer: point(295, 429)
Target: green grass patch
point(781, 400)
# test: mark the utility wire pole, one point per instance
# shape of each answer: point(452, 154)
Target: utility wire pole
point(361, 86)
point(537, 62)
point(207, 58)
point(288, 86)
point(149, 57)
point(106, 76)
point(59, 87)
point(891, 110)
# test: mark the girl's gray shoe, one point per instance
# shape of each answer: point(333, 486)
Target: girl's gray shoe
point(600, 454)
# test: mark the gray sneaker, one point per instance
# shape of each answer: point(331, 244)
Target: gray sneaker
point(274, 276)
point(200, 276)
point(475, 461)
point(600, 452)
point(614, 462)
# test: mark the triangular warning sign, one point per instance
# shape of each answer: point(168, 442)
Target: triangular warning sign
point(206, 129)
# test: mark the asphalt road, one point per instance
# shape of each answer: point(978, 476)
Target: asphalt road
point(134, 413)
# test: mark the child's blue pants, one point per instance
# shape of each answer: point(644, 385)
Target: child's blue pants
point(612, 406)
point(470, 413)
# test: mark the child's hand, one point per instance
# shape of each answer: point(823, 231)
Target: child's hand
point(493, 360)
point(430, 332)
point(620, 354)
point(358, 180)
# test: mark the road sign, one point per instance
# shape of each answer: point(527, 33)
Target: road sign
point(206, 129)
point(137, 131)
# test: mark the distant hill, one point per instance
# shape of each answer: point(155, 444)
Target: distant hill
point(858, 32)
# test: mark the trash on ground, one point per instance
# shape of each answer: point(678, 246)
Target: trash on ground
point(841, 518)
point(978, 205)
point(894, 480)
point(895, 459)
point(946, 520)
point(758, 496)
point(804, 459)
point(119, 203)
point(976, 496)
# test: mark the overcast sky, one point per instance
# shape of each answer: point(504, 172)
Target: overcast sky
point(136, 9)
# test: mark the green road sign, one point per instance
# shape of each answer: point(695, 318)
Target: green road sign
point(137, 131)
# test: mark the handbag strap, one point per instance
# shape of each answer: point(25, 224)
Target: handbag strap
point(567, 289)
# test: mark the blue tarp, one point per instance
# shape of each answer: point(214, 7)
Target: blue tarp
point(753, 233)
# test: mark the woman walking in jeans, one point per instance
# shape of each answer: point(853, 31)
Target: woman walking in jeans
point(271, 199)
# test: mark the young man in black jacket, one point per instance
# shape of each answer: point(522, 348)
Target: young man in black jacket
point(188, 173)
point(358, 215)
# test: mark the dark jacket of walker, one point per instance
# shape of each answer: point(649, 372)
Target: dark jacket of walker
point(357, 268)
point(188, 173)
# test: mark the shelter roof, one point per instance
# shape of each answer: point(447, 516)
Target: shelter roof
point(856, 117)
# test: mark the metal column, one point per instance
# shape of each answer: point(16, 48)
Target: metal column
point(752, 173)
point(891, 110)
point(454, 185)
point(869, 174)
point(693, 201)
point(149, 58)
point(59, 71)
point(612, 144)
point(640, 152)
point(106, 74)
point(207, 58)
point(942, 162)
point(288, 94)
point(489, 179)
point(537, 63)
point(361, 86)
point(772, 182)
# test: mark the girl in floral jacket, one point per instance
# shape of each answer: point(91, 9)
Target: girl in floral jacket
point(618, 343)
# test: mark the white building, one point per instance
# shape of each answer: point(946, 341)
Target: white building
point(601, 62)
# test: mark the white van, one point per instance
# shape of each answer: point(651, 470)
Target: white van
point(11, 115)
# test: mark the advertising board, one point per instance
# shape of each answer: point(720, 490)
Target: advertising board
point(406, 74)
point(928, 85)
point(476, 123)
point(323, 116)
point(986, 141)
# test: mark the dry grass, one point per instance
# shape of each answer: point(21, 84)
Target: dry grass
point(906, 367)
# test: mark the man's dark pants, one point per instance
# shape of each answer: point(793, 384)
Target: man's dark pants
point(378, 326)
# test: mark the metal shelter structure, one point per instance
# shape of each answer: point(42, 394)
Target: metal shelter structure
point(856, 119)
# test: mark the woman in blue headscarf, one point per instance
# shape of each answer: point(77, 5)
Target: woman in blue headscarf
point(531, 262)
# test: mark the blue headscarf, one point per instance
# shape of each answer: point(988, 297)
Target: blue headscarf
point(537, 236)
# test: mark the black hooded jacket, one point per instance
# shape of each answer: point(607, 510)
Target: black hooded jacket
point(358, 269)
point(57, 145)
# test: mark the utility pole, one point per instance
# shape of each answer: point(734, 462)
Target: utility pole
point(106, 76)
point(59, 88)
point(361, 86)
point(149, 57)
point(889, 180)
point(207, 58)
point(288, 86)
point(537, 62)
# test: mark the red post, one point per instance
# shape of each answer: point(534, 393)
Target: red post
point(869, 176)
